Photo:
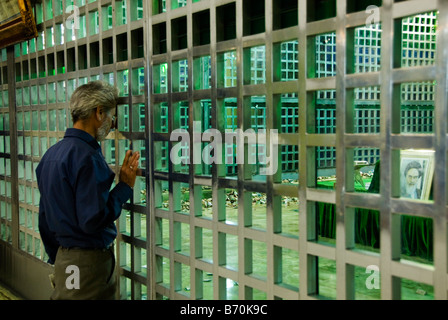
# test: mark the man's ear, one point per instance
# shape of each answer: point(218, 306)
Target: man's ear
point(99, 114)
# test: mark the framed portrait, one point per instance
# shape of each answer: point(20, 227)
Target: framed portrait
point(416, 173)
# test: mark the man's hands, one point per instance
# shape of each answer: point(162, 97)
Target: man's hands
point(129, 168)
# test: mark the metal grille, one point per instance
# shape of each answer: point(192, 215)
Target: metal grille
point(338, 84)
point(5, 159)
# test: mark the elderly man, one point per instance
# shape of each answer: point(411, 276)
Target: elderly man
point(412, 175)
point(77, 207)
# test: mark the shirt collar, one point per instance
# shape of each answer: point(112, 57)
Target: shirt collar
point(83, 135)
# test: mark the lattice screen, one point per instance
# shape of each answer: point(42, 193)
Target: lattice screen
point(340, 84)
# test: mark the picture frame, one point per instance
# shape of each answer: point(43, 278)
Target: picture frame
point(416, 173)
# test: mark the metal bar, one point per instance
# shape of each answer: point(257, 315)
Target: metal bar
point(389, 289)
point(343, 275)
point(13, 147)
point(440, 176)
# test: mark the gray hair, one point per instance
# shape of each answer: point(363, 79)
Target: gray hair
point(86, 98)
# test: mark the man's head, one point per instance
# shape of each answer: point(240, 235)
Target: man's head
point(96, 102)
point(412, 173)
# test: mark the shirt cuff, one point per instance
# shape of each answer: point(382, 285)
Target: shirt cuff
point(123, 192)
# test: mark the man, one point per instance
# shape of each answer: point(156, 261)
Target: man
point(412, 175)
point(77, 209)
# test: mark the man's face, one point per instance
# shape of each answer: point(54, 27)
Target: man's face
point(106, 125)
point(412, 177)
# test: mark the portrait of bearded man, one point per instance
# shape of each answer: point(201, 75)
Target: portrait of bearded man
point(411, 186)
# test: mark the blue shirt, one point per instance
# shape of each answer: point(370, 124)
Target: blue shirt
point(77, 207)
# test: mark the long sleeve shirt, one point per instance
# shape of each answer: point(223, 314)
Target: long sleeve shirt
point(77, 206)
